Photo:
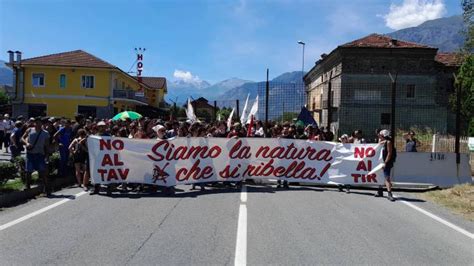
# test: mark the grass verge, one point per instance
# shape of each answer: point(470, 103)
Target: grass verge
point(16, 184)
point(460, 199)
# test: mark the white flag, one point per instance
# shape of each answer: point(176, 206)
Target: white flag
point(190, 112)
point(229, 120)
point(253, 110)
point(243, 118)
point(219, 117)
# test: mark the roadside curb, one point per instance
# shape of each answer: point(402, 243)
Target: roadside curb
point(11, 198)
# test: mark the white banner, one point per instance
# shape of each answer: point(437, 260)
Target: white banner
point(196, 160)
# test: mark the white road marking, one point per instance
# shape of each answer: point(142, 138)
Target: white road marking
point(439, 219)
point(241, 242)
point(40, 211)
point(243, 195)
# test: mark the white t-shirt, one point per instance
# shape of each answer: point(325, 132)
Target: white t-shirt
point(8, 125)
point(3, 125)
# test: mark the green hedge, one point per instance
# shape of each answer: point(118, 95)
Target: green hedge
point(8, 170)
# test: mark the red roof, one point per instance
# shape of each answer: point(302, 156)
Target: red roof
point(155, 82)
point(382, 41)
point(77, 58)
point(449, 59)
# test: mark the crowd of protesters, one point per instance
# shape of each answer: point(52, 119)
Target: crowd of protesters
point(42, 136)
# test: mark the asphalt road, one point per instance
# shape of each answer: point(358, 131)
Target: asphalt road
point(221, 227)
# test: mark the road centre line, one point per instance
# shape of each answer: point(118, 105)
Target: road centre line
point(439, 219)
point(241, 240)
point(40, 211)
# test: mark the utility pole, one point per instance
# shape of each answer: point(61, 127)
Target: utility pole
point(394, 102)
point(329, 102)
point(267, 93)
point(458, 119)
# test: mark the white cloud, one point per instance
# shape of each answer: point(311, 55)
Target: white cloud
point(412, 13)
point(185, 76)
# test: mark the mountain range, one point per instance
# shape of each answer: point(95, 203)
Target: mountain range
point(443, 33)
point(6, 74)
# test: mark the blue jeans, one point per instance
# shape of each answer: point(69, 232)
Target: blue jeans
point(63, 160)
point(35, 162)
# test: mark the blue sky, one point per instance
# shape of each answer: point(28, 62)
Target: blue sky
point(209, 40)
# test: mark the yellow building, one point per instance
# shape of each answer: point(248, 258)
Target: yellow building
point(65, 84)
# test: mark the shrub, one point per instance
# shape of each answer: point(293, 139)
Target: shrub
point(54, 160)
point(8, 170)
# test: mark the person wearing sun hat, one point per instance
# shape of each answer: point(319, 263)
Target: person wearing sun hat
point(389, 155)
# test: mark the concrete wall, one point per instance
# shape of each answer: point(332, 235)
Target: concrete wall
point(439, 169)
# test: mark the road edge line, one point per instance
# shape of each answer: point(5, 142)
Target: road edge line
point(40, 211)
point(439, 219)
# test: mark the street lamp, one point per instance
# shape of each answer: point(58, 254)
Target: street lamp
point(302, 64)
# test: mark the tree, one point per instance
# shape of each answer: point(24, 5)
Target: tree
point(465, 83)
point(177, 112)
point(3, 98)
point(464, 78)
point(468, 11)
point(287, 117)
point(224, 113)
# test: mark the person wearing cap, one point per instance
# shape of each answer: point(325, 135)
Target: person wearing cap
point(36, 140)
point(389, 154)
point(9, 126)
point(344, 139)
point(160, 132)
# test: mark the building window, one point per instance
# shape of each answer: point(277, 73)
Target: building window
point(116, 84)
point(367, 95)
point(411, 91)
point(87, 111)
point(88, 82)
point(62, 81)
point(123, 85)
point(385, 119)
point(38, 80)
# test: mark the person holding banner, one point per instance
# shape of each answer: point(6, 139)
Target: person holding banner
point(285, 134)
point(389, 156)
point(78, 149)
point(101, 131)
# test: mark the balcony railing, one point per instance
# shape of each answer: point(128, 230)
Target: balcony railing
point(128, 94)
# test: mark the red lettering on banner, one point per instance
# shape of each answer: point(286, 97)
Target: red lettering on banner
point(227, 173)
point(182, 152)
point(361, 152)
point(372, 178)
point(297, 170)
point(361, 166)
point(325, 169)
point(102, 173)
point(108, 144)
point(155, 152)
point(195, 172)
point(107, 160)
point(239, 152)
point(293, 153)
point(364, 178)
point(356, 177)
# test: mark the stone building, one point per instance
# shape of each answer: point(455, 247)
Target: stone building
point(355, 80)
